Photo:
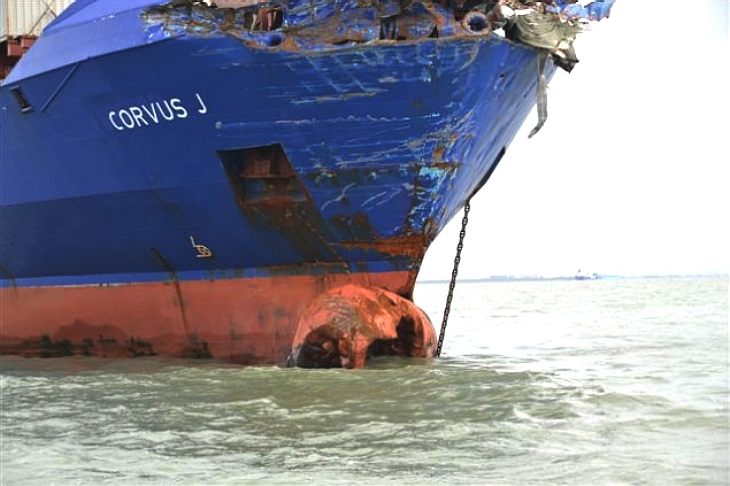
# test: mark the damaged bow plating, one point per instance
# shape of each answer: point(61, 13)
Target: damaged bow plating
point(320, 25)
point(551, 26)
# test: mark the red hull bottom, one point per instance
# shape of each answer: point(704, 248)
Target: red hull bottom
point(246, 321)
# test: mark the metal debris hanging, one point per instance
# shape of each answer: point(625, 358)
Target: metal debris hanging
point(552, 26)
point(541, 94)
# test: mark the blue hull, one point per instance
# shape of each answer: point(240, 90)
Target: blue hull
point(387, 142)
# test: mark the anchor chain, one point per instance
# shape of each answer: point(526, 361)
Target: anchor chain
point(454, 273)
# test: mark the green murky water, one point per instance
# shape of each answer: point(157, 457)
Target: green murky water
point(610, 381)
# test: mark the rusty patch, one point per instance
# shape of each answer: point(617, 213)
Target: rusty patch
point(178, 291)
point(438, 161)
point(46, 346)
point(198, 349)
point(265, 25)
point(411, 246)
point(438, 154)
point(347, 325)
point(269, 193)
point(80, 330)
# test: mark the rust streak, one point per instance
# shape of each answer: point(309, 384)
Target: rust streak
point(8, 275)
point(413, 246)
point(176, 283)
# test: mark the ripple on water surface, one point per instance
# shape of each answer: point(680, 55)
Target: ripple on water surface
point(583, 385)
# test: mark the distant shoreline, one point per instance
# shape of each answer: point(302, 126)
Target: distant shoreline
point(508, 278)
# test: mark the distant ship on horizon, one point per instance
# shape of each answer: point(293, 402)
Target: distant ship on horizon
point(580, 275)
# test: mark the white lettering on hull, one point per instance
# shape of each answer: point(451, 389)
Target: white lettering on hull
point(203, 109)
point(154, 113)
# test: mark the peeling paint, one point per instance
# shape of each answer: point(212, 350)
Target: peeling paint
point(347, 325)
point(325, 26)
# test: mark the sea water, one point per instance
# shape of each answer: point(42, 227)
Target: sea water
point(574, 382)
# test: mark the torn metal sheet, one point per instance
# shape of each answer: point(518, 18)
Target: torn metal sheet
point(541, 94)
point(551, 25)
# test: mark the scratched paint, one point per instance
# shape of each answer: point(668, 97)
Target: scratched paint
point(365, 164)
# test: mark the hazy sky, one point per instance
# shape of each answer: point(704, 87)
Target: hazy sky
point(630, 173)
